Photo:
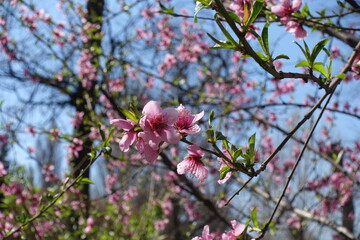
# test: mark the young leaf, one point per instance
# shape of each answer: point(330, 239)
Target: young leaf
point(226, 33)
point(254, 217)
point(198, 7)
point(83, 180)
point(261, 56)
point(129, 114)
point(319, 67)
point(318, 47)
point(255, 11)
point(220, 136)
point(211, 117)
point(246, 12)
point(281, 56)
point(225, 144)
point(302, 63)
point(224, 171)
point(306, 53)
point(234, 17)
point(341, 76)
point(237, 153)
point(265, 39)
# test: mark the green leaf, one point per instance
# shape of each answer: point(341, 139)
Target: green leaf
point(199, 6)
point(220, 136)
point(306, 54)
point(255, 11)
point(265, 39)
point(224, 171)
point(167, 10)
point(211, 117)
point(210, 134)
point(319, 67)
point(302, 63)
point(107, 141)
point(225, 32)
point(129, 114)
point(83, 180)
point(318, 47)
point(254, 217)
point(305, 11)
point(214, 39)
point(101, 132)
point(341, 76)
point(225, 144)
point(220, 44)
point(234, 17)
point(135, 110)
point(281, 56)
point(261, 56)
point(237, 153)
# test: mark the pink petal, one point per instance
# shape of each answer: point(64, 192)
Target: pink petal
point(192, 130)
point(170, 135)
point(197, 117)
point(195, 150)
point(200, 172)
point(278, 10)
point(150, 154)
point(127, 125)
point(296, 5)
point(300, 33)
point(238, 229)
point(184, 166)
point(152, 108)
point(127, 140)
point(170, 115)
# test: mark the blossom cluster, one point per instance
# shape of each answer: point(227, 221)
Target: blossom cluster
point(157, 126)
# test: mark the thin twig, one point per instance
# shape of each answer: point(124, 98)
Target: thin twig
point(264, 230)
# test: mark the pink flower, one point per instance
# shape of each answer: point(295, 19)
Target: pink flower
point(186, 123)
point(284, 11)
point(294, 222)
point(129, 136)
point(161, 224)
point(297, 29)
point(206, 235)
point(224, 163)
point(89, 225)
point(79, 116)
point(193, 163)
point(75, 147)
point(157, 124)
point(238, 7)
point(146, 150)
point(31, 130)
point(237, 230)
point(2, 170)
point(356, 67)
point(54, 134)
point(286, 7)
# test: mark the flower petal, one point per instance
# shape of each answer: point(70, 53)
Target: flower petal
point(152, 108)
point(195, 150)
point(127, 125)
point(170, 115)
point(170, 135)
